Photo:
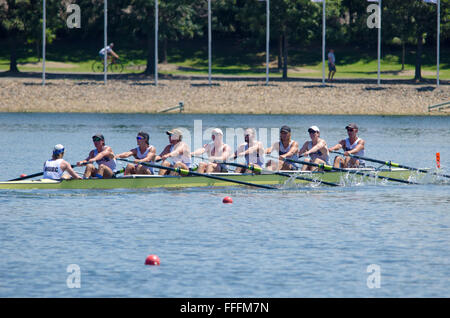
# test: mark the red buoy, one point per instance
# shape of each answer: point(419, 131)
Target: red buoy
point(227, 200)
point(152, 260)
point(23, 175)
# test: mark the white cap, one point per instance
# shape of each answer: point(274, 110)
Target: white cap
point(175, 134)
point(58, 149)
point(216, 131)
point(315, 128)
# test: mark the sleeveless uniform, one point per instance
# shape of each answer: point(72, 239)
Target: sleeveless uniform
point(259, 160)
point(318, 154)
point(140, 155)
point(52, 169)
point(283, 151)
point(111, 163)
point(183, 158)
point(349, 146)
point(223, 167)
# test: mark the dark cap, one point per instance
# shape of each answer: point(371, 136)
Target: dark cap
point(352, 126)
point(285, 129)
point(100, 136)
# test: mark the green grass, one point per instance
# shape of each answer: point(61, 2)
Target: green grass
point(229, 58)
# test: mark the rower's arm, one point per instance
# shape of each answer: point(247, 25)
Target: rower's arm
point(359, 147)
point(337, 146)
point(65, 166)
point(316, 148)
point(303, 149)
point(198, 152)
point(292, 151)
point(274, 147)
point(125, 154)
point(105, 153)
point(165, 151)
point(150, 156)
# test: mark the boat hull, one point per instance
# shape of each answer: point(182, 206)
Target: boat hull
point(154, 181)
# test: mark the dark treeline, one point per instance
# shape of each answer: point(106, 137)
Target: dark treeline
point(293, 23)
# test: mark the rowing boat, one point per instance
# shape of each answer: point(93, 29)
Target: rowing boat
point(156, 181)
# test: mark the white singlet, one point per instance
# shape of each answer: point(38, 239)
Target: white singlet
point(52, 169)
point(111, 163)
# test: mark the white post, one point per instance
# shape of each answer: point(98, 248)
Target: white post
point(323, 40)
point(209, 42)
point(379, 41)
point(156, 42)
point(105, 35)
point(43, 41)
point(438, 39)
point(267, 39)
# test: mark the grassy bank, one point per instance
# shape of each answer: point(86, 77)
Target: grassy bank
point(230, 59)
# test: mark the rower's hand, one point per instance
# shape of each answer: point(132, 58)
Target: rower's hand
point(165, 156)
point(346, 153)
point(137, 161)
point(80, 163)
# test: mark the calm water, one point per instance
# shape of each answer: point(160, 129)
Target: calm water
point(304, 242)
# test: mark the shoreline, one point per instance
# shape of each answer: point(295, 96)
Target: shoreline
point(138, 94)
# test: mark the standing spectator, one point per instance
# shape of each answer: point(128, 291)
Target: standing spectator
point(331, 65)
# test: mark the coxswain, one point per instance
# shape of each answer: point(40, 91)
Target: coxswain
point(54, 168)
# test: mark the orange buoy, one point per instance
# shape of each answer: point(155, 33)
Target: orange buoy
point(227, 200)
point(23, 175)
point(152, 260)
point(438, 160)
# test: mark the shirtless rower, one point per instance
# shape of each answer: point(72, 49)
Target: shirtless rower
point(216, 151)
point(104, 157)
point(176, 154)
point(252, 150)
point(316, 149)
point(353, 145)
point(144, 152)
point(54, 168)
point(286, 148)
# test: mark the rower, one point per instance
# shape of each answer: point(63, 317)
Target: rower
point(104, 157)
point(176, 154)
point(54, 168)
point(217, 151)
point(286, 148)
point(353, 145)
point(316, 149)
point(252, 150)
point(144, 152)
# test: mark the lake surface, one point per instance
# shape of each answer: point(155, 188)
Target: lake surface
point(366, 240)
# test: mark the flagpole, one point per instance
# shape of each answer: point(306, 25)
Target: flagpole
point(209, 42)
point(43, 41)
point(105, 35)
point(156, 42)
point(438, 39)
point(323, 41)
point(267, 39)
point(379, 41)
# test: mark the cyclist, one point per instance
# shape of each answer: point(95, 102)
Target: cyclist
point(110, 52)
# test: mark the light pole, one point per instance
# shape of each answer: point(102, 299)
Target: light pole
point(209, 42)
point(43, 41)
point(156, 42)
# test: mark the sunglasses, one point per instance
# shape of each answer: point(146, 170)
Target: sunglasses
point(350, 129)
point(312, 131)
point(139, 138)
point(96, 139)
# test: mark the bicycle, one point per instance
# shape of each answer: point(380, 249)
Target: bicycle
point(115, 66)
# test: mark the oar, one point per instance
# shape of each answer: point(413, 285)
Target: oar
point(187, 172)
point(287, 175)
point(331, 168)
point(392, 164)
